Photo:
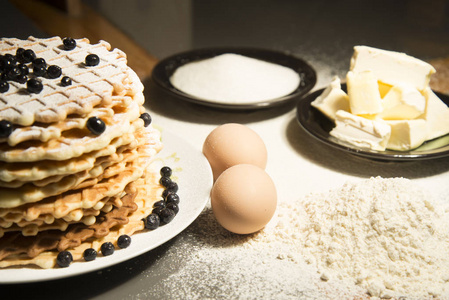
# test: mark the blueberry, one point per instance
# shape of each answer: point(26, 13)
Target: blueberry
point(12, 59)
point(28, 55)
point(5, 64)
point(172, 187)
point(19, 53)
point(166, 171)
point(173, 206)
point(64, 259)
point(54, 71)
point(34, 86)
point(146, 119)
point(172, 198)
point(69, 43)
point(90, 254)
point(39, 71)
point(165, 181)
point(13, 73)
point(39, 62)
point(107, 248)
point(66, 81)
point(167, 192)
point(167, 215)
point(160, 203)
point(157, 210)
point(21, 79)
point(96, 125)
point(6, 128)
point(4, 86)
point(152, 221)
point(23, 69)
point(124, 241)
point(92, 60)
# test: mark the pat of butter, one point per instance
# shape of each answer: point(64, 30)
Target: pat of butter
point(407, 134)
point(360, 131)
point(332, 99)
point(392, 67)
point(402, 102)
point(363, 92)
point(436, 114)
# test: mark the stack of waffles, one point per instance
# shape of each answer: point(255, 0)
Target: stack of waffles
point(74, 155)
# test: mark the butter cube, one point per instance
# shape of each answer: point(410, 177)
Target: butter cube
point(436, 114)
point(332, 99)
point(392, 67)
point(407, 134)
point(361, 132)
point(363, 92)
point(403, 102)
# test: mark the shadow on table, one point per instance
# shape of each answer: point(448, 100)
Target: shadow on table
point(162, 103)
point(92, 284)
point(351, 164)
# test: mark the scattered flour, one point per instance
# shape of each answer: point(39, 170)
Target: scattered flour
point(233, 78)
point(378, 237)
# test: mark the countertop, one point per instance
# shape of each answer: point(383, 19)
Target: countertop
point(320, 32)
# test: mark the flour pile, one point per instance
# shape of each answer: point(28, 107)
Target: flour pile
point(386, 235)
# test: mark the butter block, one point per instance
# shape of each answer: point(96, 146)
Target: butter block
point(361, 132)
point(363, 92)
point(332, 99)
point(392, 67)
point(436, 115)
point(402, 102)
point(407, 134)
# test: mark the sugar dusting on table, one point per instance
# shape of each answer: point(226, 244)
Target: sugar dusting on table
point(235, 79)
point(379, 237)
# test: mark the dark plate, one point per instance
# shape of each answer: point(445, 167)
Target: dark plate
point(319, 126)
point(166, 67)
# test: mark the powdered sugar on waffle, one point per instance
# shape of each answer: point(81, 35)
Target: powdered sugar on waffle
point(89, 87)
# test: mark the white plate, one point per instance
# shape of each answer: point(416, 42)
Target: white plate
point(194, 177)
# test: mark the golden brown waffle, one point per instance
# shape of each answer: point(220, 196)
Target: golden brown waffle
point(68, 207)
point(44, 132)
point(115, 179)
point(40, 251)
point(25, 172)
point(124, 153)
point(75, 142)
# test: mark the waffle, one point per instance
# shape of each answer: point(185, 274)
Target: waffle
point(66, 182)
point(42, 251)
point(126, 171)
point(90, 88)
point(113, 178)
point(74, 142)
point(44, 132)
point(26, 172)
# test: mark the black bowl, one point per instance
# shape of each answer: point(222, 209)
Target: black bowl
point(165, 68)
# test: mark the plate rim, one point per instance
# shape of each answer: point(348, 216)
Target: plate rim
point(304, 110)
point(163, 69)
point(25, 274)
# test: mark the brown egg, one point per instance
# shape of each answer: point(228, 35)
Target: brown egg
point(244, 199)
point(232, 144)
